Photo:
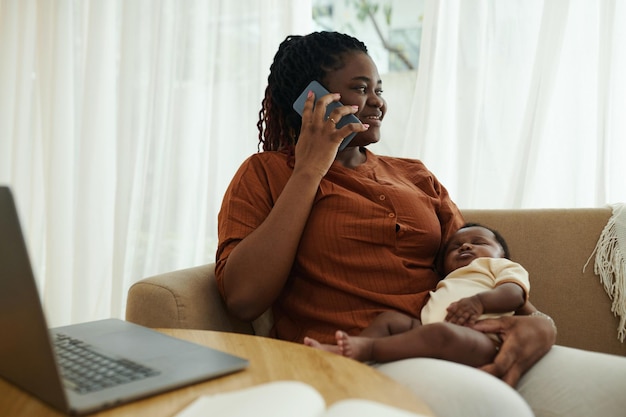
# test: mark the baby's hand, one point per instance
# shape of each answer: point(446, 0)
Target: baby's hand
point(465, 312)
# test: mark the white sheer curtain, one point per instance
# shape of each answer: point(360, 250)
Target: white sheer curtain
point(521, 103)
point(121, 124)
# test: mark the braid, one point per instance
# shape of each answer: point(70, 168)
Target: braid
point(299, 60)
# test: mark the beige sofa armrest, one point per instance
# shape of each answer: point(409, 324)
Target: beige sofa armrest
point(186, 299)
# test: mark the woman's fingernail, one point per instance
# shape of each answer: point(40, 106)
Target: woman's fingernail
point(366, 125)
point(309, 94)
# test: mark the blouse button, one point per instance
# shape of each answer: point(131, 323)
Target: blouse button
point(392, 215)
point(382, 197)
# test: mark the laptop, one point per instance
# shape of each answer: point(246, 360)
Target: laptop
point(136, 361)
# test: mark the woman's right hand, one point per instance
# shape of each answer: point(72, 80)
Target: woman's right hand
point(319, 138)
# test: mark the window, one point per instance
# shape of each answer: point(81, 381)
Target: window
point(391, 29)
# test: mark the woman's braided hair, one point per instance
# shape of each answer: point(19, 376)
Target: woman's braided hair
point(299, 60)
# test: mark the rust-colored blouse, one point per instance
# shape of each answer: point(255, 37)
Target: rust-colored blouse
point(369, 245)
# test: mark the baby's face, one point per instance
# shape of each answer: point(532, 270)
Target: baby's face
point(468, 244)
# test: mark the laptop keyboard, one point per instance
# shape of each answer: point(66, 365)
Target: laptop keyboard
point(85, 369)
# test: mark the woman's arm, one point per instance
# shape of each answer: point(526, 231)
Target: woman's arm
point(526, 338)
point(258, 267)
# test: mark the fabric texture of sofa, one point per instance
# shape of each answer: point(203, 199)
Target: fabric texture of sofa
point(556, 246)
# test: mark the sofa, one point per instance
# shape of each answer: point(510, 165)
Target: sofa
point(554, 245)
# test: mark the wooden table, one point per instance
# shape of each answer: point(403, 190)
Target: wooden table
point(335, 377)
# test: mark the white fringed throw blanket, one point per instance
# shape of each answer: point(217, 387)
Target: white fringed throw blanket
point(610, 264)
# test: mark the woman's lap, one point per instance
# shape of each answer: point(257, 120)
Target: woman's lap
point(453, 390)
point(566, 382)
point(575, 383)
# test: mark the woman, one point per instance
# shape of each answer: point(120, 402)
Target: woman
point(328, 239)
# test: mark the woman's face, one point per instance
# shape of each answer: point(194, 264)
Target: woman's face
point(360, 85)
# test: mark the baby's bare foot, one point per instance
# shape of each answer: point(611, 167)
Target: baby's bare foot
point(355, 347)
point(308, 341)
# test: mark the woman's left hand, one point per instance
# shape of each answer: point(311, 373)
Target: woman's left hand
point(525, 340)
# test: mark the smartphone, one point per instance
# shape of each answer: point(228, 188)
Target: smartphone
point(319, 91)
